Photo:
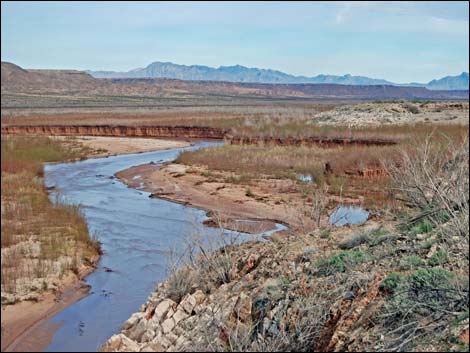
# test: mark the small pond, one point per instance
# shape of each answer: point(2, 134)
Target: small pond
point(348, 214)
point(305, 178)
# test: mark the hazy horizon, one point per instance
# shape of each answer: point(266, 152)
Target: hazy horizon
point(401, 42)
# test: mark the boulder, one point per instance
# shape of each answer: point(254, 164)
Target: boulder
point(162, 309)
point(168, 325)
point(148, 335)
point(120, 343)
point(132, 321)
point(179, 315)
point(188, 303)
point(138, 331)
point(200, 296)
point(152, 347)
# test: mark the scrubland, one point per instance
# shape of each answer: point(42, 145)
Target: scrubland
point(276, 117)
point(398, 283)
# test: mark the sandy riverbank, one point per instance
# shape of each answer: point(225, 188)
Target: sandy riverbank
point(267, 200)
point(25, 326)
point(101, 146)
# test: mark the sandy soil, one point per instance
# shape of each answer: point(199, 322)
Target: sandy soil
point(25, 326)
point(109, 146)
point(267, 200)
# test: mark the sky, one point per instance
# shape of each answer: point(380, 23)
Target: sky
point(398, 41)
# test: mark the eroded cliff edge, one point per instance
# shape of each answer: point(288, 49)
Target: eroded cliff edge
point(188, 132)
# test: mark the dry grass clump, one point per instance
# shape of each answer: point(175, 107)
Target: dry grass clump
point(249, 163)
point(205, 261)
point(39, 240)
point(26, 154)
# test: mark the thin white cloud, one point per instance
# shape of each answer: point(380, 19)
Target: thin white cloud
point(390, 16)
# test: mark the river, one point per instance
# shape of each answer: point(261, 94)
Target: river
point(136, 232)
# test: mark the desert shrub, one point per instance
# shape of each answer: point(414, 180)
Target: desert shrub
point(421, 303)
point(411, 108)
point(392, 281)
point(440, 257)
point(372, 237)
point(319, 203)
point(434, 181)
point(205, 261)
point(411, 262)
point(238, 179)
point(325, 233)
point(423, 226)
point(179, 283)
point(249, 193)
point(339, 262)
point(216, 268)
point(380, 236)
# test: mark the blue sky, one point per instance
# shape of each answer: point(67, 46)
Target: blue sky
point(398, 41)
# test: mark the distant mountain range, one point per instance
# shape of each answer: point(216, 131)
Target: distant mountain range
point(240, 73)
point(71, 82)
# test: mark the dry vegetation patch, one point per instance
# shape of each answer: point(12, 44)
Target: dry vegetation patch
point(347, 169)
point(41, 242)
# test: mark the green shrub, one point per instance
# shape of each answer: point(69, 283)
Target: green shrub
point(340, 262)
point(425, 226)
point(392, 280)
point(440, 257)
point(411, 262)
point(434, 278)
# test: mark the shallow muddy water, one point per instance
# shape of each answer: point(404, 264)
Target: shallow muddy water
point(136, 232)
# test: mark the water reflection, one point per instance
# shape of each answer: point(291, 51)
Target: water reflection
point(348, 214)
